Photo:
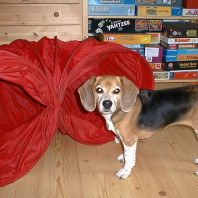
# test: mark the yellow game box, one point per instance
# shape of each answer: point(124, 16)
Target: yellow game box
point(126, 38)
point(154, 11)
point(187, 57)
point(155, 37)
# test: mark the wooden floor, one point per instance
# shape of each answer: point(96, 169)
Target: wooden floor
point(164, 168)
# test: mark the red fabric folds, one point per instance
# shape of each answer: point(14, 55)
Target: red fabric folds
point(38, 94)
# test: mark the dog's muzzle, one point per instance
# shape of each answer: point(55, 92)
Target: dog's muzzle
point(107, 104)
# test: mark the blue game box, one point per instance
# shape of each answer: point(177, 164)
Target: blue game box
point(173, 3)
point(101, 10)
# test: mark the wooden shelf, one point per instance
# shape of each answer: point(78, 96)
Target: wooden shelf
point(154, 17)
point(143, 17)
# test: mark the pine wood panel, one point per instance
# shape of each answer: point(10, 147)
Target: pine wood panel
point(34, 33)
point(40, 14)
point(85, 19)
point(69, 169)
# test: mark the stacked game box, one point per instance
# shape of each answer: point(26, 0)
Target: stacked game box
point(131, 33)
point(147, 44)
point(111, 7)
point(126, 25)
point(159, 7)
point(153, 54)
point(180, 53)
point(190, 8)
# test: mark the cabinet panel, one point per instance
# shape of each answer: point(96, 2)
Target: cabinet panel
point(40, 14)
point(34, 33)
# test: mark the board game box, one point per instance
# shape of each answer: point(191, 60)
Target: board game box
point(180, 29)
point(101, 2)
point(161, 75)
point(122, 9)
point(136, 38)
point(118, 25)
point(180, 65)
point(178, 40)
point(169, 52)
point(180, 57)
point(153, 53)
point(179, 46)
point(156, 66)
point(189, 12)
point(159, 11)
point(179, 74)
point(175, 3)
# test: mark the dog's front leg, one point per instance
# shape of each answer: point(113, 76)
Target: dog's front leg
point(129, 158)
point(109, 123)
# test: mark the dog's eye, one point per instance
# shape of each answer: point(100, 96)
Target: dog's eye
point(116, 91)
point(99, 90)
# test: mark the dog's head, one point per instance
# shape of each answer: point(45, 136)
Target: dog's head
point(108, 93)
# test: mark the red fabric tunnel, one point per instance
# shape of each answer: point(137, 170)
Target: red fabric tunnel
point(38, 94)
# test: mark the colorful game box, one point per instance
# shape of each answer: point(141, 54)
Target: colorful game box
point(139, 46)
point(135, 38)
point(122, 9)
point(179, 46)
point(151, 25)
point(175, 3)
point(189, 12)
point(180, 57)
point(101, 2)
point(180, 29)
point(180, 65)
point(153, 53)
point(139, 50)
point(168, 52)
point(113, 25)
point(156, 66)
point(161, 75)
point(155, 37)
point(178, 40)
point(159, 11)
point(179, 74)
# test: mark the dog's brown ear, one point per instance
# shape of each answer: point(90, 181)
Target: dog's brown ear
point(129, 96)
point(86, 95)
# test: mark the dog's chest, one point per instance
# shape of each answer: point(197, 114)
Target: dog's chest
point(110, 124)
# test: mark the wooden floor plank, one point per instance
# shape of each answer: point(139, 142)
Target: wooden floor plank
point(164, 168)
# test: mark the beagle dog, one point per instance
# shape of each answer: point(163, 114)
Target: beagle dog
point(134, 114)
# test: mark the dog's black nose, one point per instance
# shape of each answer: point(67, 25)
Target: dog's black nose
point(107, 104)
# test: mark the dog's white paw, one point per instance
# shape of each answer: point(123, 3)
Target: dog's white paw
point(196, 172)
point(123, 173)
point(120, 158)
point(196, 161)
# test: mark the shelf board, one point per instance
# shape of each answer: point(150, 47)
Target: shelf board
point(143, 17)
point(188, 80)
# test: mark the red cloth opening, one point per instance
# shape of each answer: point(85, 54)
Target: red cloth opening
point(38, 89)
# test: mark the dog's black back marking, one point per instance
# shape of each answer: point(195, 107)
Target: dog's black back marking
point(163, 107)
